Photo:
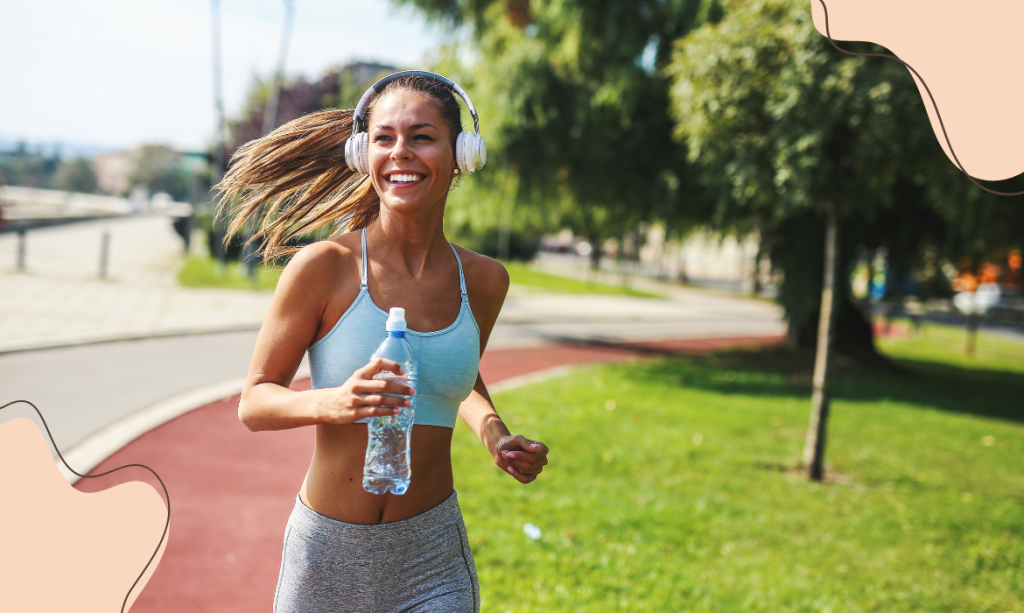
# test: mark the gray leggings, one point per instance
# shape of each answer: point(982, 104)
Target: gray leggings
point(422, 564)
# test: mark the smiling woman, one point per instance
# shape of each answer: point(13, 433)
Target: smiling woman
point(347, 549)
point(299, 178)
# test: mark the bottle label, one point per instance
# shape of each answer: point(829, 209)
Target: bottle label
point(390, 376)
point(405, 416)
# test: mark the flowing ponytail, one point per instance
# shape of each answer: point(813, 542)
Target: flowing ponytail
point(294, 181)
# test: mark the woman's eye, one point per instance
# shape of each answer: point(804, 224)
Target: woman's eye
point(380, 137)
point(423, 137)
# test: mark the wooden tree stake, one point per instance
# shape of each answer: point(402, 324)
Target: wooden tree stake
point(814, 448)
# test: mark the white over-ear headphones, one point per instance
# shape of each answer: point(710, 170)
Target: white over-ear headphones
point(470, 147)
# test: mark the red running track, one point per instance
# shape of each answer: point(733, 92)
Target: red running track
point(232, 490)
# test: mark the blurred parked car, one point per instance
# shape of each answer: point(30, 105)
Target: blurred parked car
point(990, 299)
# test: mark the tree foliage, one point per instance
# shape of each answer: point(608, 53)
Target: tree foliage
point(780, 126)
point(337, 88)
point(29, 168)
point(575, 106)
point(737, 116)
point(157, 168)
point(76, 175)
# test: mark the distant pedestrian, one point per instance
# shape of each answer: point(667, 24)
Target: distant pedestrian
point(346, 549)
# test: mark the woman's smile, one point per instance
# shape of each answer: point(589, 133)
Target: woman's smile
point(403, 179)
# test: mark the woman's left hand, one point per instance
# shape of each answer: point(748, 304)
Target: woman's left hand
point(520, 457)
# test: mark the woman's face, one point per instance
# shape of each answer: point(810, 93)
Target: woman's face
point(410, 151)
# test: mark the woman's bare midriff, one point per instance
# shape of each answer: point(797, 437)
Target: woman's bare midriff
point(334, 483)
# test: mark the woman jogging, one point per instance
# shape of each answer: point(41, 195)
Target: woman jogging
point(384, 171)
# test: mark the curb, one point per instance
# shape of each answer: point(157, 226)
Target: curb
point(533, 377)
point(114, 338)
point(99, 446)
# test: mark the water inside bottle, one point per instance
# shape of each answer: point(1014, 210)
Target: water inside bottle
point(387, 467)
point(379, 485)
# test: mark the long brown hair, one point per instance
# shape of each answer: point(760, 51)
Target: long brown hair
point(294, 180)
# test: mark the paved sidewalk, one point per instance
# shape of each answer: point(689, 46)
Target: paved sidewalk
point(232, 490)
point(60, 299)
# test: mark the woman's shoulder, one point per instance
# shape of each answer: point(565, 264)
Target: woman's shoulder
point(332, 260)
point(486, 285)
point(483, 272)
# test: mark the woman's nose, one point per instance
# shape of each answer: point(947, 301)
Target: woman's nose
point(401, 150)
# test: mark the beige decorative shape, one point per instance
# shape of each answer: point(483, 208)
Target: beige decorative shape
point(65, 550)
point(969, 54)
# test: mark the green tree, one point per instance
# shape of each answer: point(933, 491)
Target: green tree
point(337, 87)
point(29, 168)
point(575, 106)
point(157, 167)
point(76, 175)
point(824, 154)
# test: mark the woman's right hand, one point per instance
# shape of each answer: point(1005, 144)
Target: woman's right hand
point(363, 396)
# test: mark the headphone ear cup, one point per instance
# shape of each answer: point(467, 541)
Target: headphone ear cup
point(481, 152)
point(460, 153)
point(364, 153)
point(357, 153)
point(470, 152)
point(350, 153)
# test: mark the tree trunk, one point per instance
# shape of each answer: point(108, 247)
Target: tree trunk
point(972, 333)
point(595, 253)
point(755, 277)
point(814, 448)
point(504, 233)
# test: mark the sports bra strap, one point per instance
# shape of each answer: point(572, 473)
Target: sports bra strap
point(462, 278)
point(363, 283)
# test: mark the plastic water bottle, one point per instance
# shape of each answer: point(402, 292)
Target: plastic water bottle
point(387, 467)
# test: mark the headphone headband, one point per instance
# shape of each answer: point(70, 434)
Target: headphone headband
point(359, 115)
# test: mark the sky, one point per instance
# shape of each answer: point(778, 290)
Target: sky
point(118, 73)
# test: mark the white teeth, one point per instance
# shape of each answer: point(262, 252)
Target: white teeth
point(404, 178)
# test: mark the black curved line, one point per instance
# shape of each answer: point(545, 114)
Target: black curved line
point(166, 525)
point(935, 106)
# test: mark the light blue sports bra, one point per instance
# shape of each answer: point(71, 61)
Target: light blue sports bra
point(448, 360)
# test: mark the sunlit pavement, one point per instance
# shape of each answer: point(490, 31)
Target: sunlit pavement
point(60, 298)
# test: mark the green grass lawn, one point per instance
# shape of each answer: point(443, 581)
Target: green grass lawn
point(204, 272)
point(521, 274)
point(673, 487)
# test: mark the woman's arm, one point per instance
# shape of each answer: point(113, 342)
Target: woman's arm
point(292, 322)
point(517, 455)
point(477, 411)
point(522, 458)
